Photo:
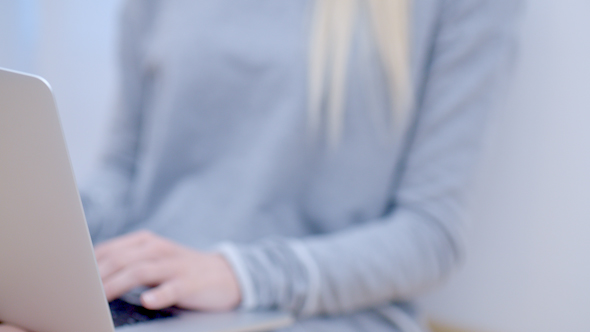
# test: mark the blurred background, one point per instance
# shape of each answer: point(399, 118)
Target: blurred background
point(528, 267)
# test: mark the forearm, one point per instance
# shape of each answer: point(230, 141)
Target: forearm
point(383, 261)
point(105, 200)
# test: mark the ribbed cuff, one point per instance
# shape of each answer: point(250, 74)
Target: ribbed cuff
point(230, 252)
point(311, 303)
point(275, 273)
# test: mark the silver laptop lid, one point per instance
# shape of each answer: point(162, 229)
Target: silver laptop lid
point(48, 280)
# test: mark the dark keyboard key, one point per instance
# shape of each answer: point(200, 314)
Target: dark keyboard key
point(126, 313)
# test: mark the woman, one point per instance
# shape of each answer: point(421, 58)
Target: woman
point(309, 156)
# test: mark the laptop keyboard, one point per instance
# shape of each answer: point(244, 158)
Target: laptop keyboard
point(125, 313)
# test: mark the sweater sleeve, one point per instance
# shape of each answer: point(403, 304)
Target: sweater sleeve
point(419, 242)
point(105, 196)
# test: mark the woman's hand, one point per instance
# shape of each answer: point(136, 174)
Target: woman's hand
point(180, 276)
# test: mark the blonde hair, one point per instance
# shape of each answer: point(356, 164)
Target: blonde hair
point(330, 45)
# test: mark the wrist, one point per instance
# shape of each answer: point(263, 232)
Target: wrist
point(228, 280)
point(233, 258)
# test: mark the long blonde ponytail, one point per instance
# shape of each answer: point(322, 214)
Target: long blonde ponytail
point(330, 45)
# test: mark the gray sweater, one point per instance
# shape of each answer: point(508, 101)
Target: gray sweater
point(210, 147)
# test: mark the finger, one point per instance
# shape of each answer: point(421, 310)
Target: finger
point(140, 274)
point(163, 296)
point(121, 243)
point(147, 251)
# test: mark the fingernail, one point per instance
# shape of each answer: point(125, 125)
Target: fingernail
point(148, 298)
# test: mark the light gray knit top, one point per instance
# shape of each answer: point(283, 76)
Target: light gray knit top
point(210, 147)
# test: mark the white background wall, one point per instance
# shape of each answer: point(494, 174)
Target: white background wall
point(528, 267)
point(72, 44)
point(529, 263)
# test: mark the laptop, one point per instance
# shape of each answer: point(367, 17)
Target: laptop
point(49, 280)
